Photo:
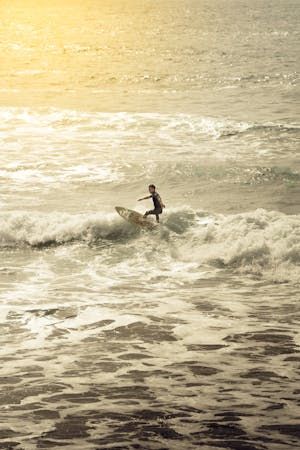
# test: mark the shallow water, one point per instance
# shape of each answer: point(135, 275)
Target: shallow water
point(187, 336)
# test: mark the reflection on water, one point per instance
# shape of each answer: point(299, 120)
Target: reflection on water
point(201, 55)
point(132, 343)
point(153, 372)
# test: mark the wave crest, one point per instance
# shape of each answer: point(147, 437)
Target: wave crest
point(261, 243)
point(36, 229)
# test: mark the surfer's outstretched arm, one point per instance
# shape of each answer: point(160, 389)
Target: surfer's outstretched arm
point(144, 198)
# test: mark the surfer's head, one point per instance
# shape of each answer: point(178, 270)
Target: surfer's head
point(151, 188)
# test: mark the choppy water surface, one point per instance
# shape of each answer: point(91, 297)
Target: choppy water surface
point(187, 336)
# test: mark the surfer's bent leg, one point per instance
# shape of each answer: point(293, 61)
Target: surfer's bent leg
point(154, 212)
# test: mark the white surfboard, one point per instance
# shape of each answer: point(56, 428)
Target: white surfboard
point(135, 218)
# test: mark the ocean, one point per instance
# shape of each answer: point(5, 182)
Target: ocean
point(186, 336)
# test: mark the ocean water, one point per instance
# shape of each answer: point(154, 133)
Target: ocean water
point(185, 337)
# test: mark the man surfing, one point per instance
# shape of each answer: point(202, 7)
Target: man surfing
point(157, 202)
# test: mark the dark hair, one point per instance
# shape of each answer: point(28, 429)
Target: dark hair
point(152, 186)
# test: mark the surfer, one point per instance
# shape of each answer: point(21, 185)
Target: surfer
point(157, 201)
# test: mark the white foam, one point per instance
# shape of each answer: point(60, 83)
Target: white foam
point(257, 242)
point(264, 243)
point(37, 229)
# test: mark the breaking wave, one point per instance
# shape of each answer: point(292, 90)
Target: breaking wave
point(259, 243)
point(37, 230)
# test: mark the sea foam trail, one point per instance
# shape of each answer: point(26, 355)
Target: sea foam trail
point(257, 242)
point(67, 123)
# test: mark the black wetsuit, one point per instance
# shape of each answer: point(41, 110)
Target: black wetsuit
point(157, 206)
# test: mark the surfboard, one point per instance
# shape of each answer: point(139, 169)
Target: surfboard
point(135, 218)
